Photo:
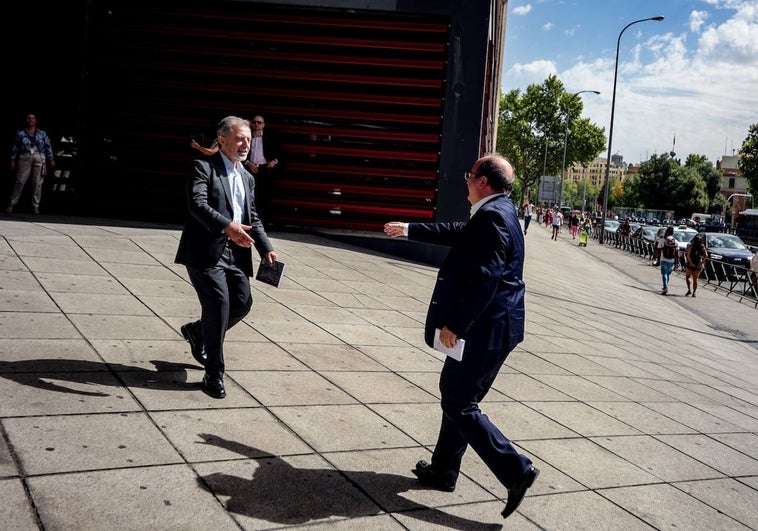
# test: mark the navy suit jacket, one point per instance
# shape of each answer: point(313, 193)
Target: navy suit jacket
point(479, 293)
point(210, 206)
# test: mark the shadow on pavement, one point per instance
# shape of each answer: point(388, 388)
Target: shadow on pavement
point(281, 493)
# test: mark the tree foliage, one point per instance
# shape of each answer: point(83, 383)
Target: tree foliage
point(748, 162)
point(663, 184)
point(581, 194)
point(531, 130)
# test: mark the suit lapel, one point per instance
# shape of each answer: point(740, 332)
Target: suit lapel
point(220, 170)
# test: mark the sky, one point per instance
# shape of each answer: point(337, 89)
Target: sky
point(687, 83)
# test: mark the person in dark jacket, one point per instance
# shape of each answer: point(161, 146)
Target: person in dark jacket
point(478, 298)
point(215, 246)
point(263, 163)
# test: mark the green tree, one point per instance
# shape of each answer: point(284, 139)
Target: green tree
point(663, 184)
point(658, 182)
point(710, 175)
point(689, 193)
point(531, 129)
point(748, 161)
point(631, 196)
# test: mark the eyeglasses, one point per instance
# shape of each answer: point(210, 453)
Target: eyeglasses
point(471, 174)
point(258, 122)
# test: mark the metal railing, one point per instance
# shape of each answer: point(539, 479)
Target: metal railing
point(735, 280)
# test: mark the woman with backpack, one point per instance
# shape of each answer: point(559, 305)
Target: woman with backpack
point(669, 256)
point(696, 256)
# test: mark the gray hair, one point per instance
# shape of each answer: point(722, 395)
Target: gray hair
point(228, 124)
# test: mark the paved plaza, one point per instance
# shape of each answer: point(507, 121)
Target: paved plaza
point(640, 410)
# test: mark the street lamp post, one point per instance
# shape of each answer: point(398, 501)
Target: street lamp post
point(565, 145)
point(601, 237)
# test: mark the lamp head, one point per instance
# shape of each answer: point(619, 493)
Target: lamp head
point(657, 18)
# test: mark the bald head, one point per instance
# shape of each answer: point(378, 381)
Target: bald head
point(498, 170)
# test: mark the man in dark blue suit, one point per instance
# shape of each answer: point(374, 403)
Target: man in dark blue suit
point(215, 247)
point(479, 298)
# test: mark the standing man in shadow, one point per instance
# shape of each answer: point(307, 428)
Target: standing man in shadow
point(263, 163)
point(479, 298)
point(215, 247)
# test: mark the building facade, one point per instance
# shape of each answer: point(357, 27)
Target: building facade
point(595, 172)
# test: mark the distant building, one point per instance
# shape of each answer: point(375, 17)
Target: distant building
point(732, 182)
point(595, 171)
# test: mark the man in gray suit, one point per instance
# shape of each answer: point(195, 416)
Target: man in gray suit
point(479, 298)
point(215, 247)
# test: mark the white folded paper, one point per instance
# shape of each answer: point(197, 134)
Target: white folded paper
point(456, 352)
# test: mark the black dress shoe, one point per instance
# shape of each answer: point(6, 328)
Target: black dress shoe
point(516, 494)
point(427, 476)
point(213, 387)
point(196, 343)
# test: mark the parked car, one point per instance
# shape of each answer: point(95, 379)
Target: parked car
point(645, 233)
point(725, 250)
point(611, 225)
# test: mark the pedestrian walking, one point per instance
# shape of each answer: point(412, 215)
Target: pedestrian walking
point(528, 210)
point(556, 222)
point(215, 246)
point(669, 250)
point(479, 299)
point(697, 254)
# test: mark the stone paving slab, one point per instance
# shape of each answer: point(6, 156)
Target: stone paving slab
point(640, 410)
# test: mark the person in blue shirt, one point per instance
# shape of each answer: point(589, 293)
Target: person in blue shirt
point(31, 151)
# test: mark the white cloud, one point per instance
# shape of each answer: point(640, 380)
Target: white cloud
point(531, 73)
point(522, 10)
point(702, 90)
point(697, 19)
point(548, 26)
point(699, 84)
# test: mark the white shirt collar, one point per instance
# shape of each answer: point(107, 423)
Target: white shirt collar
point(476, 206)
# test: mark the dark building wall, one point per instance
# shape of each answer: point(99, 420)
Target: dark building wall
point(378, 107)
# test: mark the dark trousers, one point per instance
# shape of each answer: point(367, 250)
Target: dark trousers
point(527, 220)
point(225, 299)
point(463, 385)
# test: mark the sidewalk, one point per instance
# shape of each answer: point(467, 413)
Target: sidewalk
point(640, 410)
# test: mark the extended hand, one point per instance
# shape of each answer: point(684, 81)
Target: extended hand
point(394, 229)
point(237, 232)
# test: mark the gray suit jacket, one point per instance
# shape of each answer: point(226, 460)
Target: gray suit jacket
point(210, 206)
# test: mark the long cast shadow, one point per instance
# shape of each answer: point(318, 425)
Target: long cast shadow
point(283, 494)
point(40, 373)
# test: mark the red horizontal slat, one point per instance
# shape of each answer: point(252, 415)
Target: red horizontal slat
point(233, 72)
point(356, 189)
point(245, 38)
point(284, 56)
point(321, 149)
point(343, 132)
point(374, 23)
point(336, 209)
point(373, 171)
point(307, 95)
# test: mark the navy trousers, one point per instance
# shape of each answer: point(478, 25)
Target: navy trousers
point(462, 386)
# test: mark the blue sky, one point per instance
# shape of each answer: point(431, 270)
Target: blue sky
point(691, 78)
